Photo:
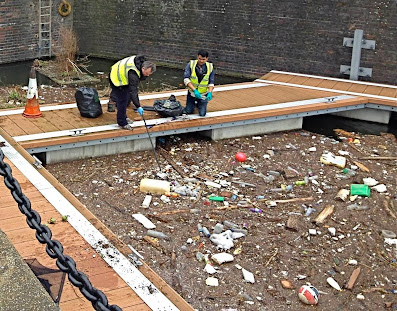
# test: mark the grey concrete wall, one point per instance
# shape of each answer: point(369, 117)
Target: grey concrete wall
point(19, 28)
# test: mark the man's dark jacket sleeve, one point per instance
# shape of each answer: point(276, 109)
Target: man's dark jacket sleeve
point(133, 83)
point(133, 80)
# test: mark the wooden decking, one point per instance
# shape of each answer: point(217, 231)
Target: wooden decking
point(69, 119)
point(272, 89)
point(13, 223)
point(374, 90)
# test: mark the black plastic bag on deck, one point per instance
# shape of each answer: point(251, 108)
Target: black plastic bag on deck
point(168, 107)
point(88, 102)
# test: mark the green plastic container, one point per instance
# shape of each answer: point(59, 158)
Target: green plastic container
point(216, 198)
point(358, 189)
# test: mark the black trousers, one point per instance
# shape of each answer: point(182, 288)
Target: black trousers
point(121, 96)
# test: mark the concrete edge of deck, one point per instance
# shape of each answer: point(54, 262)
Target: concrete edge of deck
point(221, 127)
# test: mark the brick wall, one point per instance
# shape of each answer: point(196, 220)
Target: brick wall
point(19, 29)
point(244, 37)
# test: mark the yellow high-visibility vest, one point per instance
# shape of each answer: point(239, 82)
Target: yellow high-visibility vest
point(202, 87)
point(119, 71)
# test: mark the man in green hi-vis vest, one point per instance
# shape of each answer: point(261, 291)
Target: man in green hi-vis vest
point(124, 80)
point(199, 77)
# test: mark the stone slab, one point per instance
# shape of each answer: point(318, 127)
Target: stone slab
point(19, 287)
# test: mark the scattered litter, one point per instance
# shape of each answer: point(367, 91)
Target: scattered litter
point(146, 201)
point(370, 181)
point(308, 294)
point(144, 221)
point(380, 188)
point(221, 258)
point(157, 234)
point(388, 234)
point(333, 284)
point(211, 281)
point(361, 190)
point(154, 186)
point(331, 159)
point(213, 184)
point(343, 194)
point(248, 276)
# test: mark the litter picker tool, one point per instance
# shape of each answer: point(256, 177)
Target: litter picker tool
point(154, 151)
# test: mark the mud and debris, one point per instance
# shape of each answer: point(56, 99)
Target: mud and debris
point(247, 235)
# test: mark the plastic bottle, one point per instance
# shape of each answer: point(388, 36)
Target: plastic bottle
point(309, 210)
point(157, 234)
point(200, 256)
point(200, 228)
point(218, 228)
point(349, 172)
point(239, 230)
point(230, 224)
point(268, 178)
point(206, 232)
point(256, 210)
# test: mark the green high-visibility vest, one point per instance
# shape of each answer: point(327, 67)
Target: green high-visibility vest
point(119, 71)
point(202, 87)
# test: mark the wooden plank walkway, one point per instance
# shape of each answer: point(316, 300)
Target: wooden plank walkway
point(69, 119)
point(275, 88)
point(13, 223)
point(367, 88)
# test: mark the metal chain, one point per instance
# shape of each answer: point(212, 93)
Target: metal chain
point(54, 248)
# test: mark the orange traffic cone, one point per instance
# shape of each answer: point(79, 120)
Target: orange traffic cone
point(32, 108)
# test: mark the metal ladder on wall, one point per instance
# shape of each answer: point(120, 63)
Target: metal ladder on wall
point(45, 28)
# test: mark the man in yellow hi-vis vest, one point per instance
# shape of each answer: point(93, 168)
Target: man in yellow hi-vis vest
point(124, 80)
point(199, 77)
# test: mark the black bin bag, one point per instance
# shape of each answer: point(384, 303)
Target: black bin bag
point(168, 107)
point(88, 102)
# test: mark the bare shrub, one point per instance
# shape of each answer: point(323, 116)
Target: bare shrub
point(65, 51)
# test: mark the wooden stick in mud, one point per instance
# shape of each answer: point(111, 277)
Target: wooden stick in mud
point(328, 210)
point(388, 209)
point(378, 158)
point(165, 155)
point(353, 278)
point(293, 200)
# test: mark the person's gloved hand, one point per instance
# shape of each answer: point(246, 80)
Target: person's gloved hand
point(209, 96)
point(140, 111)
point(197, 94)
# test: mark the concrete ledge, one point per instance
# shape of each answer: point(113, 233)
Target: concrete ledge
point(254, 129)
point(19, 287)
point(366, 114)
point(85, 152)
